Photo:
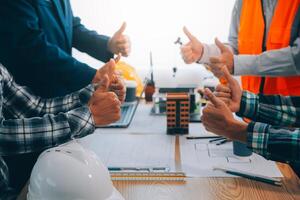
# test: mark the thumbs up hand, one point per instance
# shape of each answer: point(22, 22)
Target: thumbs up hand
point(231, 93)
point(226, 58)
point(193, 50)
point(118, 87)
point(218, 118)
point(104, 105)
point(108, 69)
point(120, 43)
point(116, 82)
point(216, 115)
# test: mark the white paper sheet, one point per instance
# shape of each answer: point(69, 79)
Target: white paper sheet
point(198, 157)
point(128, 150)
point(198, 130)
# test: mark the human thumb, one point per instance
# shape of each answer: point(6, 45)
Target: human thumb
point(229, 78)
point(122, 29)
point(212, 98)
point(104, 84)
point(220, 45)
point(188, 34)
point(111, 68)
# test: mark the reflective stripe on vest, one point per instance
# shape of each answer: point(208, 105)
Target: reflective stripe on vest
point(250, 41)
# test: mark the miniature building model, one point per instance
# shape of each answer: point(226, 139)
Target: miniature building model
point(178, 113)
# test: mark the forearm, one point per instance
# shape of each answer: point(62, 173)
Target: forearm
point(274, 109)
point(36, 134)
point(210, 50)
point(274, 143)
point(237, 131)
point(20, 102)
point(25, 44)
point(90, 41)
point(280, 62)
point(278, 144)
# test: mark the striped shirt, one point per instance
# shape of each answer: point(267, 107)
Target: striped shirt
point(274, 131)
point(35, 124)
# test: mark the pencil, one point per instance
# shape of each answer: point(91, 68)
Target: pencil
point(218, 139)
point(222, 142)
point(200, 137)
point(251, 176)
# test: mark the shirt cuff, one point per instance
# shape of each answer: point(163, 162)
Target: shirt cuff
point(257, 138)
point(206, 54)
point(210, 50)
point(248, 106)
point(102, 43)
point(81, 122)
point(86, 93)
point(245, 65)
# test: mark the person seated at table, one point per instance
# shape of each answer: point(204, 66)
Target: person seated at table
point(274, 131)
point(39, 124)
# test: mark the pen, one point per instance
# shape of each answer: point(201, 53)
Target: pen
point(222, 142)
point(218, 139)
point(200, 137)
point(265, 179)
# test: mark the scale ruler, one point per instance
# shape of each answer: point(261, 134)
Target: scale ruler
point(148, 176)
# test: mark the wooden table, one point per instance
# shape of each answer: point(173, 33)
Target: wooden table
point(209, 189)
point(197, 188)
point(213, 188)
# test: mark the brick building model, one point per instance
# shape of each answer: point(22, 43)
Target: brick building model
point(178, 113)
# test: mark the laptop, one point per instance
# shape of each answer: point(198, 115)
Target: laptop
point(127, 111)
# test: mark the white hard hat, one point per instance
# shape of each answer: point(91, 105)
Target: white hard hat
point(70, 172)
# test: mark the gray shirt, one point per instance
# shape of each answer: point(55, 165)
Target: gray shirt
point(279, 62)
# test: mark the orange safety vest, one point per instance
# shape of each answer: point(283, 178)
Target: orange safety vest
point(251, 41)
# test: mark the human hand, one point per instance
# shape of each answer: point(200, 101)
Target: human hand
point(120, 43)
point(226, 58)
point(231, 93)
point(118, 87)
point(116, 83)
point(104, 105)
point(218, 118)
point(107, 69)
point(193, 50)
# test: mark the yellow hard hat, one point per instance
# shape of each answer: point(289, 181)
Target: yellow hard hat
point(129, 73)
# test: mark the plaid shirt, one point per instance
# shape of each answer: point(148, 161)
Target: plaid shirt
point(36, 124)
point(275, 130)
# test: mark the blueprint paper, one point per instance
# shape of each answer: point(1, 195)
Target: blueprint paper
point(198, 157)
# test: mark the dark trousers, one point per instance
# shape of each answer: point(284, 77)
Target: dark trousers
point(20, 167)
